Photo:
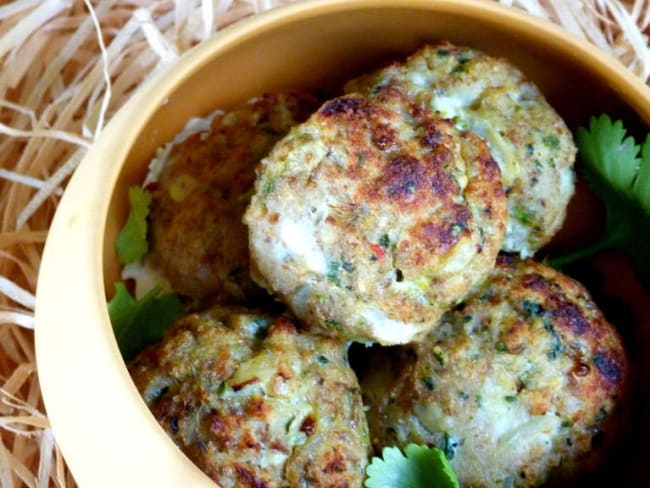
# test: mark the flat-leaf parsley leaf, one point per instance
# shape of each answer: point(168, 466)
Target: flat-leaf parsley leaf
point(618, 171)
point(131, 243)
point(422, 467)
point(138, 323)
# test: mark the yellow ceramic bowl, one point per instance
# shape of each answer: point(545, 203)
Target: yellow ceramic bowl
point(105, 431)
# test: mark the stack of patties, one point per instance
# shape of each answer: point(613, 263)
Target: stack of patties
point(247, 398)
point(379, 219)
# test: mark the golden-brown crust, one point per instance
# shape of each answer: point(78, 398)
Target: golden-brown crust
point(390, 200)
point(600, 367)
point(525, 381)
point(490, 96)
point(195, 230)
point(255, 404)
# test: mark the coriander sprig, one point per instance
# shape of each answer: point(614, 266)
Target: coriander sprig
point(617, 169)
point(138, 323)
point(422, 467)
point(131, 243)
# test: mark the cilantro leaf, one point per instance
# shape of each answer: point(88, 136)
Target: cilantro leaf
point(608, 154)
point(642, 183)
point(618, 171)
point(138, 323)
point(422, 467)
point(131, 243)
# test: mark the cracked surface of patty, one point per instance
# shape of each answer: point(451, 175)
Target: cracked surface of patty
point(255, 404)
point(198, 241)
point(491, 97)
point(373, 217)
point(522, 383)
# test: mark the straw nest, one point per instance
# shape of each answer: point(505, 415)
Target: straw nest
point(67, 65)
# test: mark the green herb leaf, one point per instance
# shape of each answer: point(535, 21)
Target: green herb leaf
point(139, 323)
point(131, 243)
point(618, 171)
point(422, 467)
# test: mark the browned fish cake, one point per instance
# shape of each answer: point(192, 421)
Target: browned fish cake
point(373, 217)
point(253, 403)
point(524, 382)
point(491, 97)
point(197, 238)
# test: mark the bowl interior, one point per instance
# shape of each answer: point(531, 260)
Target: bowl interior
point(321, 44)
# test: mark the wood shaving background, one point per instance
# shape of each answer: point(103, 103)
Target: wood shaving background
point(66, 66)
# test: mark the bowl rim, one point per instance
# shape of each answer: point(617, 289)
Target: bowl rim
point(96, 408)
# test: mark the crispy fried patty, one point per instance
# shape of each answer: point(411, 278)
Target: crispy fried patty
point(197, 238)
point(523, 382)
point(373, 217)
point(255, 404)
point(528, 139)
